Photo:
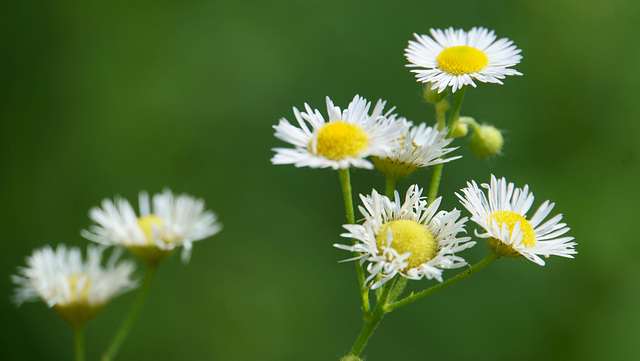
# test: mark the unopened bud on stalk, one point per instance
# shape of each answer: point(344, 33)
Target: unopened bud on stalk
point(459, 130)
point(486, 141)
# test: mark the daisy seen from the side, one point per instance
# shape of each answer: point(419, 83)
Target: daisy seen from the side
point(345, 140)
point(501, 212)
point(421, 146)
point(76, 290)
point(412, 239)
point(165, 223)
point(454, 58)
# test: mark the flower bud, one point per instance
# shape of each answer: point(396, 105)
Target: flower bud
point(459, 130)
point(486, 141)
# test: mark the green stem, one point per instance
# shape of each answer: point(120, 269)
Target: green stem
point(437, 169)
point(78, 338)
point(435, 182)
point(372, 322)
point(366, 333)
point(455, 111)
point(131, 317)
point(469, 121)
point(451, 281)
point(391, 185)
point(345, 181)
point(441, 109)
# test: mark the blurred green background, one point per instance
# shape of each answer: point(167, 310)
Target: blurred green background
point(106, 98)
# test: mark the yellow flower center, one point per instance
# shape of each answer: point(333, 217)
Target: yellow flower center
point(78, 310)
point(153, 228)
point(408, 236)
point(339, 140)
point(73, 284)
point(462, 59)
point(148, 224)
point(510, 218)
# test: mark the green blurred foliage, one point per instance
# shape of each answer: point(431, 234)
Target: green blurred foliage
point(106, 98)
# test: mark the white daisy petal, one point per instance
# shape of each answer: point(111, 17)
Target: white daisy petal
point(165, 223)
point(350, 136)
point(502, 215)
point(454, 58)
point(412, 238)
point(77, 290)
point(420, 146)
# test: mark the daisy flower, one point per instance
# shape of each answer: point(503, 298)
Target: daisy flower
point(455, 57)
point(422, 146)
point(412, 239)
point(502, 215)
point(152, 236)
point(345, 140)
point(75, 289)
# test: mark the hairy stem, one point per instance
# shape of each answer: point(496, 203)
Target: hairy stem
point(372, 322)
point(391, 184)
point(78, 338)
point(131, 317)
point(345, 181)
point(451, 281)
point(453, 119)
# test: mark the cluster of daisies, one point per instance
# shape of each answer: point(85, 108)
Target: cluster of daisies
point(77, 289)
point(411, 237)
point(355, 133)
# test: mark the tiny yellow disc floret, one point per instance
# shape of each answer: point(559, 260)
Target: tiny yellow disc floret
point(462, 59)
point(511, 218)
point(339, 140)
point(408, 236)
point(148, 223)
point(78, 308)
point(153, 228)
point(73, 282)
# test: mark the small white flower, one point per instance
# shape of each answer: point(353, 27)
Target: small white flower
point(345, 140)
point(171, 222)
point(502, 215)
point(412, 239)
point(77, 290)
point(422, 146)
point(453, 58)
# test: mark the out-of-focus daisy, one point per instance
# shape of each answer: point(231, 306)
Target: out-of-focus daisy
point(453, 58)
point(345, 140)
point(502, 215)
point(412, 239)
point(422, 146)
point(75, 289)
point(163, 225)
